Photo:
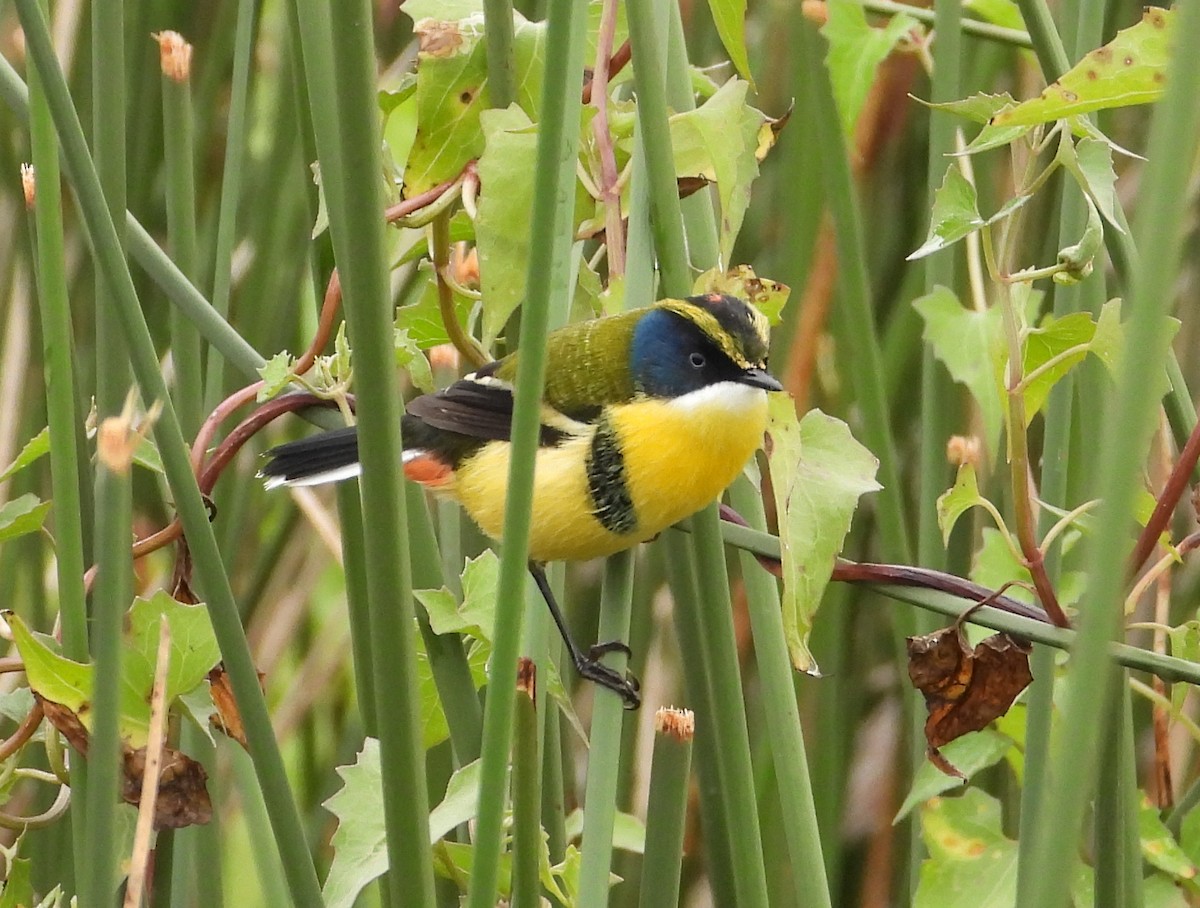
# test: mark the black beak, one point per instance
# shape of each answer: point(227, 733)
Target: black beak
point(759, 378)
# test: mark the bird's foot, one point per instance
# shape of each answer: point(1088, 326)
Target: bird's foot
point(626, 686)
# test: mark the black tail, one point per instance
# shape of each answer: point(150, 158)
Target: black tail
point(319, 458)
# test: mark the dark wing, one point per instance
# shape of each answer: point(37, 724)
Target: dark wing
point(475, 409)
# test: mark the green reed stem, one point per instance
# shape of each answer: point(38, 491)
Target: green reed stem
point(604, 755)
point(348, 144)
point(179, 144)
point(498, 32)
point(788, 753)
point(666, 810)
point(112, 595)
point(527, 807)
point(231, 186)
point(548, 278)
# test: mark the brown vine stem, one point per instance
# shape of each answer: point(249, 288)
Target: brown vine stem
point(846, 571)
point(24, 732)
point(1168, 499)
point(610, 192)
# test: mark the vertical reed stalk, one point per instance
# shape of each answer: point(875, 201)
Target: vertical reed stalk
point(604, 754)
point(342, 68)
point(666, 811)
point(548, 277)
point(179, 144)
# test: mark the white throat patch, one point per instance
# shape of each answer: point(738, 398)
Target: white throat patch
point(730, 396)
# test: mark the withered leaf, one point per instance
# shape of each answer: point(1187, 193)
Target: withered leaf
point(182, 793)
point(66, 722)
point(227, 719)
point(964, 688)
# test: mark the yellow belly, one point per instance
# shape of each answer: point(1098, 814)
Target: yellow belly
point(678, 455)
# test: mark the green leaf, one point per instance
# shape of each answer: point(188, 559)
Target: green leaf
point(855, 52)
point(1159, 847)
point(53, 676)
point(1130, 69)
point(818, 472)
point(629, 832)
point(16, 704)
point(1185, 644)
point(146, 455)
point(502, 228)
point(719, 142)
point(193, 651)
point(957, 500)
point(730, 18)
point(360, 841)
point(955, 213)
point(452, 91)
point(979, 107)
point(971, 864)
point(18, 885)
point(476, 615)
point(22, 516)
point(411, 358)
point(423, 319)
point(971, 754)
point(994, 136)
point(454, 861)
point(1054, 337)
point(1093, 167)
point(995, 564)
point(458, 804)
point(34, 448)
point(970, 345)
point(276, 374)
point(1160, 891)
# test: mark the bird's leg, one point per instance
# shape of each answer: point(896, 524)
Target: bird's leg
point(588, 664)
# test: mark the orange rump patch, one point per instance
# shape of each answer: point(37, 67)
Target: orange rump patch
point(429, 471)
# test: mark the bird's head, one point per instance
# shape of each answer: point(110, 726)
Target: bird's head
point(682, 346)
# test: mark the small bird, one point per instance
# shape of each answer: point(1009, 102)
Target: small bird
point(647, 416)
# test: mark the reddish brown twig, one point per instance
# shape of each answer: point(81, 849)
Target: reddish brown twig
point(1168, 499)
point(904, 575)
point(406, 207)
point(24, 732)
point(610, 192)
point(617, 62)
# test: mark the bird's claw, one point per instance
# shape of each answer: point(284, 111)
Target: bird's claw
point(626, 686)
point(611, 646)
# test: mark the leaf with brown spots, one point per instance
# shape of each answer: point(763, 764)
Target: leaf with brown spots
point(1130, 69)
point(964, 688)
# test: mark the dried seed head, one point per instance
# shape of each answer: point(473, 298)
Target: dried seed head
point(679, 723)
point(174, 56)
point(964, 449)
point(115, 444)
point(29, 185)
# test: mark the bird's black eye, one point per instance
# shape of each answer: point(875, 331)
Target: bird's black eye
point(697, 360)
